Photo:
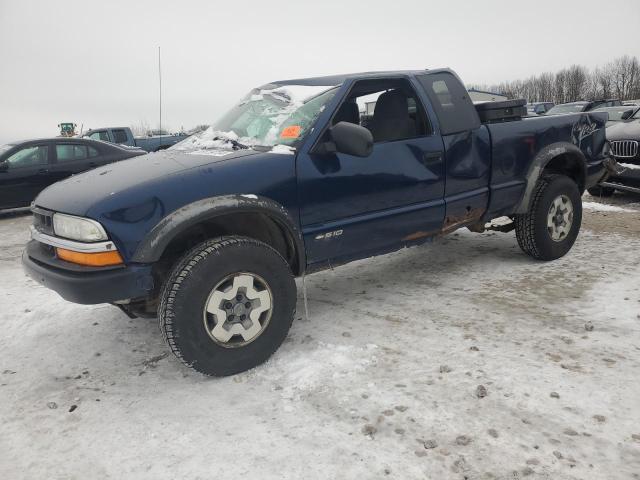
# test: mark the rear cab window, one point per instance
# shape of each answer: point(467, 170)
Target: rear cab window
point(451, 102)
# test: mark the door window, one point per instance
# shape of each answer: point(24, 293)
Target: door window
point(100, 135)
point(67, 152)
point(119, 136)
point(389, 108)
point(29, 157)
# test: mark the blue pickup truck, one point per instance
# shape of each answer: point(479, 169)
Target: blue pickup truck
point(296, 178)
point(124, 136)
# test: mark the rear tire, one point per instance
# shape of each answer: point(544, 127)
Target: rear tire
point(228, 305)
point(550, 228)
point(599, 191)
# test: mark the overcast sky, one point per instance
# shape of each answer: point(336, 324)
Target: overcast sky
point(95, 63)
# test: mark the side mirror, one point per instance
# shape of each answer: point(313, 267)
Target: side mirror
point(350, 139)
point(4, 166)
point(626, 114)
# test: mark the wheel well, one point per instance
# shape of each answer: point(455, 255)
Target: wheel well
point(259, 226)
point(568, 164)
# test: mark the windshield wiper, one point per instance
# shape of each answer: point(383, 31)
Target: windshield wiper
point(235, 144)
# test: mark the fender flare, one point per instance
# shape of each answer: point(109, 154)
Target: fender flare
point(155, 242)
point(538, 164)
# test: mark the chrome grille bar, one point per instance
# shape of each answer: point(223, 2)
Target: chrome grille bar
point(624, 148)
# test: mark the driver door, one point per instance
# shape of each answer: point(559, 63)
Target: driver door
point(353, 207)
point(26, 173)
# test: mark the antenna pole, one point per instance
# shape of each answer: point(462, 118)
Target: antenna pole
point(160, 93)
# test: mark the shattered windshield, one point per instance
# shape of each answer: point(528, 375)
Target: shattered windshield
point(272, 116)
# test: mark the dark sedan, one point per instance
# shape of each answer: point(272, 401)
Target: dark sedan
point(624, 137)
point(30, 166)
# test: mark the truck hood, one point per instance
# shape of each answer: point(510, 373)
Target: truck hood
point(629, 130)
point(76, 194)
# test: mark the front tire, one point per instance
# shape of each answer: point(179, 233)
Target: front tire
point(228, 305)
point(550, 228)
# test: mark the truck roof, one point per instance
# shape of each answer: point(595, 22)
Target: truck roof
point(335, 80)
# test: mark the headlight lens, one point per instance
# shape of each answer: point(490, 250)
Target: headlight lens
point(78, 228)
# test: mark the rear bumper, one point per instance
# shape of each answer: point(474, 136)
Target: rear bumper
point(90, 287)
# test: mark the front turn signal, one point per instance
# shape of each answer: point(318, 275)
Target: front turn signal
point(100, 259)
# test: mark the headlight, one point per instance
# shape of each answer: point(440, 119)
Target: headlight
point(78, 228)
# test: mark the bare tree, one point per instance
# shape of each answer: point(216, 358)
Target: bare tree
point(141, 129)
point(619, 78)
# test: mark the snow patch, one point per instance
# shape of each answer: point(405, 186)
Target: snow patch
point(317, 369)
point(283, 150)
point(603, 207)
point(630, 166)
point(209, 142)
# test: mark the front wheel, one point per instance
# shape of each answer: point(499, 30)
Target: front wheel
point(227, 305)
point(550, 228)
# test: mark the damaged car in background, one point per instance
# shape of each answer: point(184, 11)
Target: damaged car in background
point(209, 235)
point(624, 137)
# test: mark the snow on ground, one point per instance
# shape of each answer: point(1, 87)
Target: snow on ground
point(604, 207)
point(384, 379)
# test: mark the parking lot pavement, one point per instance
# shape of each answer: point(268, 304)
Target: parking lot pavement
point(462, 358)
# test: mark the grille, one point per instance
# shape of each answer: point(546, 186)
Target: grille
point(43, 220)
point(624, 148)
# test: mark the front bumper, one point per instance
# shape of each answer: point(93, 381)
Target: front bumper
point(626, 176)
point(87, 285)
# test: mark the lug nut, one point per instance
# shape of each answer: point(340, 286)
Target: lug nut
point(228, 305)
point(230, 318)
point(239, 298)
point(248, 304)
point(242, 317)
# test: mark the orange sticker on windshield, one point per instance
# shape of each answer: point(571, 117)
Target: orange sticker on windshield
point(292, 131)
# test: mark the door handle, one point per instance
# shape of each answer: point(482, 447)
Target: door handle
point(43, 170)
point(431, 158)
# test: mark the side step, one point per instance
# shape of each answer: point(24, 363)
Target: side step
point(619, 186)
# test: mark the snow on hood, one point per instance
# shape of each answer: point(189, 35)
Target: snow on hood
point(208, 142)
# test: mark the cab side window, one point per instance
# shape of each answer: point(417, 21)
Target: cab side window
point(119, 136)
point(29, 157)
point(390, 109)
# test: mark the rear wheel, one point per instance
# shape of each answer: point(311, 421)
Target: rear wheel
point(550, 228)
point(227, 305)
point(600, 191)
